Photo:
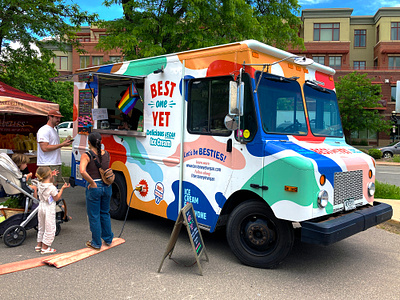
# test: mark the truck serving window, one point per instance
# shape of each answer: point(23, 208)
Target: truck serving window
point(323, 111)
point(281, 105)
point(208, 105)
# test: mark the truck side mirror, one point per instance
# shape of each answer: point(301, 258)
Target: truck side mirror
point(236, 97)
point(231, 122)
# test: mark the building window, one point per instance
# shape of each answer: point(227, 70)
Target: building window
point(359, 65)
point(360, 37)
point(319, 59)
point(97, 60)
point(335, 62)
point(84, 61)
point(115, 59)
point(395, 31)
point(393, 93)
point(394, 62)
point(377, 34)
point(83, 39)
point(365, 134)
point(102, 36)
point(61, 62)
point(326, 31)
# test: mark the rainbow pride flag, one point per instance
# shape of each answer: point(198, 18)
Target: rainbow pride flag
point(129, 99)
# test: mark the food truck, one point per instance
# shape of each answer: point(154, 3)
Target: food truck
point(249, 134)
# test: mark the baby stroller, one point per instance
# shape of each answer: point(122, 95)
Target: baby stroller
point(13, 228)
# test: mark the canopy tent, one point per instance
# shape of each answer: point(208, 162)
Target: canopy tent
point(21, 116)
point(14, 101)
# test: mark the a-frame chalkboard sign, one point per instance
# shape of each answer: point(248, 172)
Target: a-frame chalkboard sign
point(187, 217)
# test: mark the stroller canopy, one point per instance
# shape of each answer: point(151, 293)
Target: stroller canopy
point(10, 171)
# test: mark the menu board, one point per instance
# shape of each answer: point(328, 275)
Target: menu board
point(85, 120)
point(193, 230)
point(187, 217)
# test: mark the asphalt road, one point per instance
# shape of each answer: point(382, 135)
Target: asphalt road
point(365, 266)
point(388, 174)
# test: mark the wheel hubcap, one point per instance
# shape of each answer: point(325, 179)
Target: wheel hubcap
point(258, 235)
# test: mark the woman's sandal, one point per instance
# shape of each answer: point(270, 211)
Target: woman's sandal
point(48, 250)
point(38, 249)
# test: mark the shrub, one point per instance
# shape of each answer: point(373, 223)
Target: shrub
point(375, 153)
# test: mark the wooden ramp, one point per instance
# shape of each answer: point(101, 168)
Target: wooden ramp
point(68, 258)
point(58, 260)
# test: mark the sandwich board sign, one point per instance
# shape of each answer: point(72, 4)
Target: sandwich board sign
point(187, 217)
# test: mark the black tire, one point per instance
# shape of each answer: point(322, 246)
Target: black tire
point(118, 205)
point(257, 237)
point(14, 236)
point(387, 154)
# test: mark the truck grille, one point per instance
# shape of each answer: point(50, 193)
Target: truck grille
point(348, 185)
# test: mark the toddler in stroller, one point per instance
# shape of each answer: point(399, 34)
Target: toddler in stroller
point(13, 228)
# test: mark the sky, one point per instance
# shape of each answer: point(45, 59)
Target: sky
point(360, 7)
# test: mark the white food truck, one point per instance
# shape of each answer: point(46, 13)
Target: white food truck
point(249, 134)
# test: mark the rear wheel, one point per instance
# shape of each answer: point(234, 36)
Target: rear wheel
point(14, 236)
point(387, 155)
point(118, 204)
point(257, 237)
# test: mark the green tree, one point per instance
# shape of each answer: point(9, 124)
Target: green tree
point(28, 22)
point(151, 28)
point(357, 98)
point(32, 74)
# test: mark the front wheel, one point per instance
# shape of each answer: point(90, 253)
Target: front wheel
point(387, 155)
point(257, 237)
point(14, 236)
point(118, 204)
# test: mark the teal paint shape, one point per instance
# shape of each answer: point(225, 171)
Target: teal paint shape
point(291, 171)
point(134, 154)
point(146, 66)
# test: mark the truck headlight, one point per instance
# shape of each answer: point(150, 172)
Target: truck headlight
point(322, 199)
point(371, 189)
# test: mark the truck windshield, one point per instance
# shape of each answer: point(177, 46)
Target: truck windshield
point(281, 105)
point(323, 111)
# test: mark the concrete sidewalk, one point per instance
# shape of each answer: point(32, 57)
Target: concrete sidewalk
point(396, 210)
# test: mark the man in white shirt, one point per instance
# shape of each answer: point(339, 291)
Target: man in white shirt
point(49, 146)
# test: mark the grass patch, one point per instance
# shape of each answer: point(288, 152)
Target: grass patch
point(396, 158)
point(65, 171)
point(386, 191)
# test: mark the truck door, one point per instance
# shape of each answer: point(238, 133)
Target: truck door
point(209, 155)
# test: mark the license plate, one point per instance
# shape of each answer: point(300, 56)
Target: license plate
point(349, 204)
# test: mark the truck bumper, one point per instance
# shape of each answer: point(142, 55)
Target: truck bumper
point(331, 231)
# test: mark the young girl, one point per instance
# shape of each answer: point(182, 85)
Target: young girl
point(22, 160)
point(48, 196)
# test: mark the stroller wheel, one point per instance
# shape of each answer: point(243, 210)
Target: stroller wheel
point(14, 236)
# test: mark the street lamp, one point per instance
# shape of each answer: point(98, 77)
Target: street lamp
point(394, 120)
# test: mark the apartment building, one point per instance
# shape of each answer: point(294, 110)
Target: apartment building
point(366, 44)
point(69, 61)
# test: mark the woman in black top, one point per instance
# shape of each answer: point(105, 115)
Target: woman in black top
point(98, 194)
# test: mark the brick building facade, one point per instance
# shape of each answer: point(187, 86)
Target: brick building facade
point(366, 44)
